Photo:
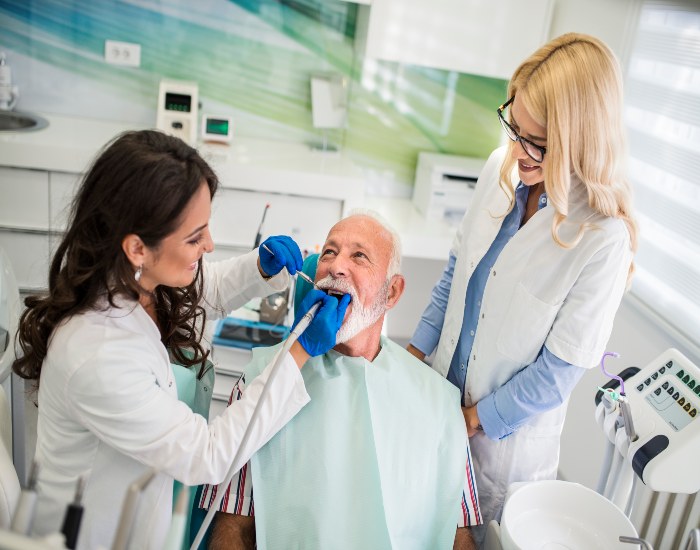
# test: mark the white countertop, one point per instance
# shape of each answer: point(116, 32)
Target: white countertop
point(66, 145)
point(70, 144)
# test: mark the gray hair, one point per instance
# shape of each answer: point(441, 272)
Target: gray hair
point(394, 267)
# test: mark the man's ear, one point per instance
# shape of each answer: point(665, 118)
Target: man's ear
point(396, 288)
point(136, 252)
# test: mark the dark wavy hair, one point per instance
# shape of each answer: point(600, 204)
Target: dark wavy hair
point(139, 184)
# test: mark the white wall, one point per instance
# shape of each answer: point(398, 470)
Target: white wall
point(421, 276)
point(613, 21)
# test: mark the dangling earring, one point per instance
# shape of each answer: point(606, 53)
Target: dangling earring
point(137, 275)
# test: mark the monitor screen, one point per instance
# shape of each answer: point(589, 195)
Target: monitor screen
point(217, 126)
point(178, 102)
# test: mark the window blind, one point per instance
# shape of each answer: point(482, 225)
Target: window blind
point(662, 115)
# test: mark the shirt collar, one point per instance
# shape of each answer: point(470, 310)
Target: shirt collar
point(522, 191)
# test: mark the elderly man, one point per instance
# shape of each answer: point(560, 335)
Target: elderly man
point(377, 458)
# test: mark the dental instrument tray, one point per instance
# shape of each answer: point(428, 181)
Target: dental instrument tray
point(246, 334)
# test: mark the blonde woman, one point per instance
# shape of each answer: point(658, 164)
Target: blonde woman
point(539, 265)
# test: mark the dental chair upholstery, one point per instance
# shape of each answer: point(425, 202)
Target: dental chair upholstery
point(9, 316)
point(9, 482)
point(301, 286)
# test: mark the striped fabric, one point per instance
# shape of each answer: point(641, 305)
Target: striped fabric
point(239, 494)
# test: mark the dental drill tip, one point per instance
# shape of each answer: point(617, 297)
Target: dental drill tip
point(306, 278)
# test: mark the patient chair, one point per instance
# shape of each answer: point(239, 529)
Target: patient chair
point(9, 482)
point(9, 315)
point(302, 287)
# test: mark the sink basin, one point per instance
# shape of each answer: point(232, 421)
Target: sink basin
point(17, 121)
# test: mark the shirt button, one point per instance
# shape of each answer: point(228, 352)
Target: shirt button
point(471, 333)
point(170, 384)
point(452, 341)
point(474, 357)
point(494, 272)
point(482, 315)
point(472, 265)
point(462, 366)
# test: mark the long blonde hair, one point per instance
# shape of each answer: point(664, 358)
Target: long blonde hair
point(573, 87)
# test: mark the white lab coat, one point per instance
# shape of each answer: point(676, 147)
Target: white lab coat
point(108, 410)
point(538, 293)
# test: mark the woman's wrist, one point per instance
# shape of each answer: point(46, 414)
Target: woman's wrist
point(471, 419)
point(262, 273)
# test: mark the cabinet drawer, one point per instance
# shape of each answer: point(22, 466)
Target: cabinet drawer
point(223, 385)
point(62, 187)
point(29, 255)
point(24, 198)
point(236, 216)
point(231, 361)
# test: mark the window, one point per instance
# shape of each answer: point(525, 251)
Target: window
point(662, 115)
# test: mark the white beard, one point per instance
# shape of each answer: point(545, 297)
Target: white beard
point(361, 316)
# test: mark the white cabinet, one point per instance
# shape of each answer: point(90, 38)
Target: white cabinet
point(469, 36)
point(236, 215)
point(29, 255)
point(24, 199)
point(229, 364)
point(62, 188)
point(34, 206)
point(24, 224)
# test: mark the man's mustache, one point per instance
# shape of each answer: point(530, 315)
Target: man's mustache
point(329, 283)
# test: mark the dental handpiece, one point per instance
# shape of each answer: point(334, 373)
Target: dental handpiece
point(626, 412)
point(73, 517)
point(24, 512)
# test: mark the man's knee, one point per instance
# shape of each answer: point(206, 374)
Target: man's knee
point(232, 532)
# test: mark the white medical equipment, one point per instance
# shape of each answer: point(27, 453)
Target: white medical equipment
point(178, 108)
point(218, 129)
point(650, 417)
point(559, 514)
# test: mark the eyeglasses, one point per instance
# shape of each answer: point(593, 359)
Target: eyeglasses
point(535, 152)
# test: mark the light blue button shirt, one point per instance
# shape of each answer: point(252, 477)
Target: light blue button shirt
point(539, 387)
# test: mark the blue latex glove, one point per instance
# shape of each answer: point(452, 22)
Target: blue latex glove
point(319, 336)
point(285, 253)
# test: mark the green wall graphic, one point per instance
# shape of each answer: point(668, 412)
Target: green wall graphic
point(252, 59)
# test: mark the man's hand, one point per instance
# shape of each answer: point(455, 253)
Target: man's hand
point(471, 419)
point(413, 350)
point(232, 532)
point(278, 252)
point(464, 539)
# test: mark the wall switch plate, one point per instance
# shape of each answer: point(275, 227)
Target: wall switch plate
point(122, 53)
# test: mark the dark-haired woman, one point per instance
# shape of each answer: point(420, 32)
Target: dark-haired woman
point(128, 287)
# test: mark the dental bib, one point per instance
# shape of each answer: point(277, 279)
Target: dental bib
point(375, 460)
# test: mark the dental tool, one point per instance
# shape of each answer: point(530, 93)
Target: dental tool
point(307, 278)
point(176, 533)
point(258, 237)
point(73, 517)
point(24, 513)
point(126, 519)
point(299, 273)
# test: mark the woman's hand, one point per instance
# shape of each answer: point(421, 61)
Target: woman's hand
point(471, 419)
point(415, 352)
point(277, 253)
